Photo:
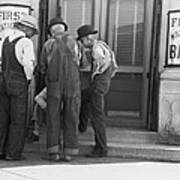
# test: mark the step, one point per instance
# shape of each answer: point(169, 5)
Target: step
point(118, 135)
point(122, 144)
point(155, 152)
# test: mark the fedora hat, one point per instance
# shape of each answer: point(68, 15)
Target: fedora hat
point(28, 21)
point(85, 30)
point(56, 20)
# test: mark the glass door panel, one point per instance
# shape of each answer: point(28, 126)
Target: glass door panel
point(126, 22)
point(126, 37)
point(77, 13)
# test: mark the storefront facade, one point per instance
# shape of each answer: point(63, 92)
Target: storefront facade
point(137, 31)
point(169, 94)
point(126, 25)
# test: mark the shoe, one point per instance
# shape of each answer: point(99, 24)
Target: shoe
point(83, 124)
point(2, 156)
point(66, 158)
point(33, 137)
point(52, 157)
point(10, 158)
point(57, 158)
point(97, 153)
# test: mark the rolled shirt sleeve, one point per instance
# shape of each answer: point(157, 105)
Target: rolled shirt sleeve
point(102, 57)
point(25, 54)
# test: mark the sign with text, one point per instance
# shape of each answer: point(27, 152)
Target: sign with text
point(9, 14)
point(173, 39)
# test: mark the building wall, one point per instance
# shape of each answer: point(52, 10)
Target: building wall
point(169, 92)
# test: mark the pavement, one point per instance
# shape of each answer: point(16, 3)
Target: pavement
point(87, 169)
point(132, 155)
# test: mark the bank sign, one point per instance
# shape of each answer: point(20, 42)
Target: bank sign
point(173, 39)
point(9, 14)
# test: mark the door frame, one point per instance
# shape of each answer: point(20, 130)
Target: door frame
point(148, 27)
point(154, 68)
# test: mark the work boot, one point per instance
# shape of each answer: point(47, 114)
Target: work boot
point(97, 153)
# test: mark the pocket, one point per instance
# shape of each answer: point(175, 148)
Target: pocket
point(101, 85)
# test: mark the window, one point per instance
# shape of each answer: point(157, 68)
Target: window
point(126, 23)
point(77, 13)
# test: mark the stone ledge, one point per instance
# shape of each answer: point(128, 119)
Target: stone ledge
point(172, 73)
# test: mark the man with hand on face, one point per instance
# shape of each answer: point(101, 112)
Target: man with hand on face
point(92, 103)
point(59, 65)
point(18, 61)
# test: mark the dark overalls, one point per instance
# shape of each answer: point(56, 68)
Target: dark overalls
point(13, 102)
point(92, 107)
point(63, 91)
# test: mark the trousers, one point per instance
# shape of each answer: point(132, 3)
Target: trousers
point(62, 122)
point(92, 107)
point(13, 109)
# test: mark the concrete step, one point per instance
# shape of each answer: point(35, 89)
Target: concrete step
point(123, 136)
point(155, 152)
point(123, 144)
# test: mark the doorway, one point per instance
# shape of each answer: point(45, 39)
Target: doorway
point(129, 29)
point(126, 25)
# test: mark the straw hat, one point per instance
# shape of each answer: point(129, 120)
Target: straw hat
point(28, 21)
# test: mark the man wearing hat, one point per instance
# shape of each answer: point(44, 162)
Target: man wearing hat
point(18, 62)
point(59, 65)
point(92, 103)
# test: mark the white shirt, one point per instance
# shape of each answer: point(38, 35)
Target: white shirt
point(24, 51)
point(103, 58)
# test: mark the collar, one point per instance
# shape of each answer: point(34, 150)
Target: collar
point(15, 34)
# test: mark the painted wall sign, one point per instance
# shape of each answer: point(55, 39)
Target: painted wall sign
point(173, 39)
point(10, 13)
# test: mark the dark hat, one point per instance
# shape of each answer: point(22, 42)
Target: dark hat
point(85, 30)
point(56, 20)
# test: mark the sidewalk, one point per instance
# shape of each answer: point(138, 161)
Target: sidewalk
point(131, 153)
point(121, 144)
point(88, 170)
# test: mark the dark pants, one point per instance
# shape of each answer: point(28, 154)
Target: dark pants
point(13, 107)
point(63, 118)
point(92, 107)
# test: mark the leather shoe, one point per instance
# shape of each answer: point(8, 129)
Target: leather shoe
point(10, 158)
point(56, 157)
point(2, 156)
point(66, 158)
point(52, 157)
point(82, 126)
point(33, 137)
point(97, 153)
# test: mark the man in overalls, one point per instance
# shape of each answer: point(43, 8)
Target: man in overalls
point(59, 65)
point(92, 103)
point(18, 62)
